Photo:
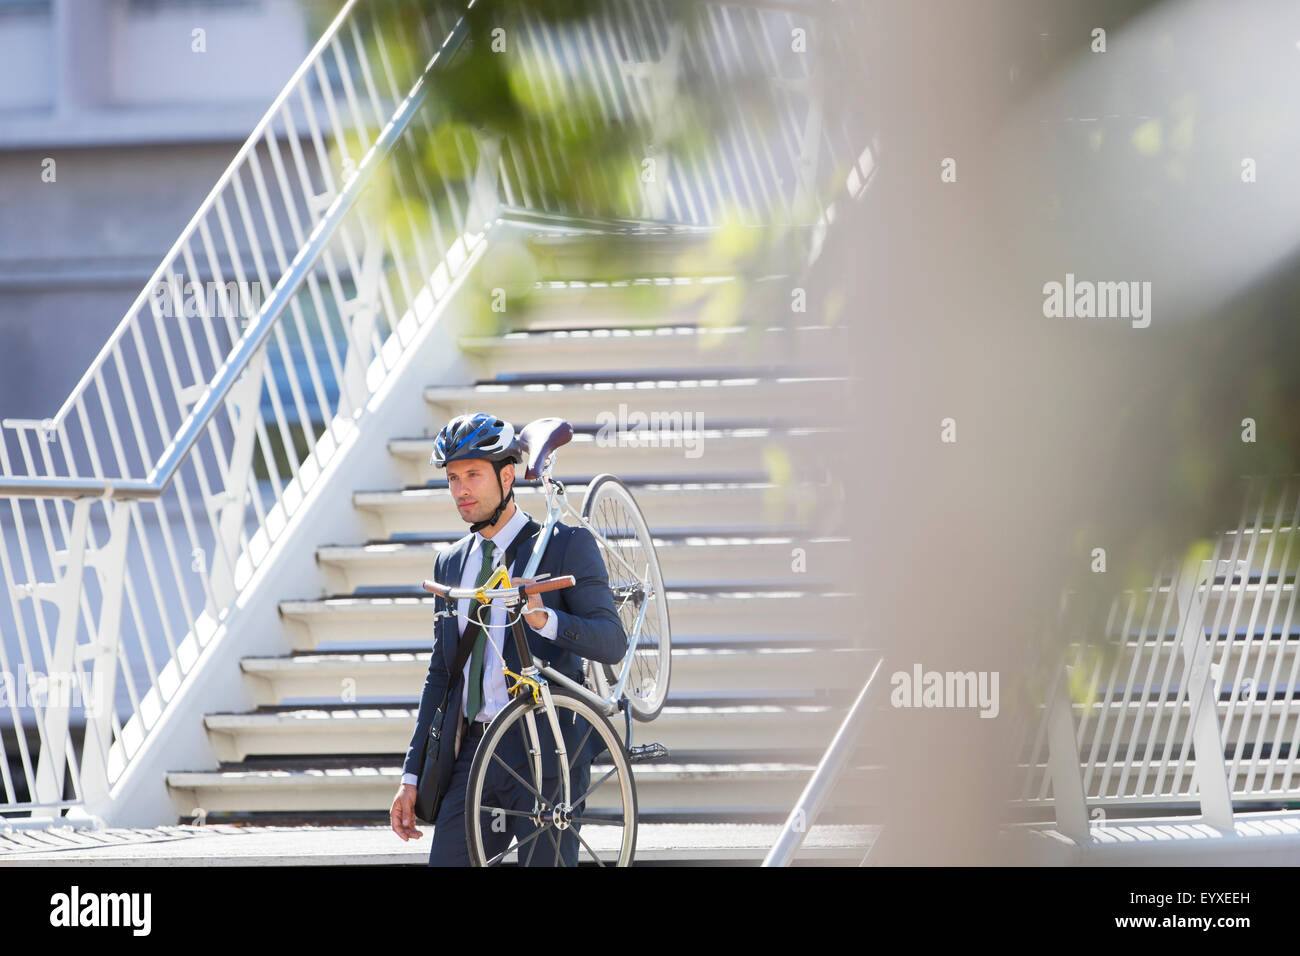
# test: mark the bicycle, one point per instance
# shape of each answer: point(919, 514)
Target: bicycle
point(637, 686)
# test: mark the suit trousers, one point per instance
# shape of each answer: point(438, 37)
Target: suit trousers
point(500, 789)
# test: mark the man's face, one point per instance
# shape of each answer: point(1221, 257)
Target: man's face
point(473, 487)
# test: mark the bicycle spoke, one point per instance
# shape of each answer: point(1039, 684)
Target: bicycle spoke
point(503, 810)
point(556, 843)
point(591, 821)
point(578, 749)
point(531, 850)
point(599, 861)
point(613, 770)
point(522, 782)
point(518, 846)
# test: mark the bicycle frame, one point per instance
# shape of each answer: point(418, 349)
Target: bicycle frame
point(537, 677)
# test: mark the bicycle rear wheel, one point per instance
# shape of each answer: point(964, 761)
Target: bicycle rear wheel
point(513, 804)
point(637, 584)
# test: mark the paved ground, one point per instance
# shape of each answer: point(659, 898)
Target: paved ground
point(1264, 838)
point(227, 845)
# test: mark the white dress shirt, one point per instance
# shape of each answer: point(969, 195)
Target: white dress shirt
point(494, 681)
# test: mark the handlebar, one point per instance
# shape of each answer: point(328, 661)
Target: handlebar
point(511, 594)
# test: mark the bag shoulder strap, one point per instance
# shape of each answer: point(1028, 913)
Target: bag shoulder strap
point(465, 648)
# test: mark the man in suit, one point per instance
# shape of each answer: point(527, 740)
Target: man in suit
point(563, 626)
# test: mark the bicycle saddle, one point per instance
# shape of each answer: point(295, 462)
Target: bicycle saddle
point(541, 437)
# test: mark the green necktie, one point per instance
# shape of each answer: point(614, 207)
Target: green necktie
point(480, 640)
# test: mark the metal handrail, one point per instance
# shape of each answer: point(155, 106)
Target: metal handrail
point(257, 335)
point(803, 815)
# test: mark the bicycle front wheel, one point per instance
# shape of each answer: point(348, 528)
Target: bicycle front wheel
point(514, 799)
point(638, 590)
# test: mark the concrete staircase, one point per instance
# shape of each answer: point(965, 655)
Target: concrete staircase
point(758, 684)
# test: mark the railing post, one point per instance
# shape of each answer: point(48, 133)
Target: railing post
point(358, 315)
point(1063, 762)
point(485, 201)
point(660, 77)
point(65, 593)
point(110, 563)
point(65, 672)
point(226, 507)
point(805, 200)
point(1210, 768)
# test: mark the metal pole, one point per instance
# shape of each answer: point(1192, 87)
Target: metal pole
point(828, 771)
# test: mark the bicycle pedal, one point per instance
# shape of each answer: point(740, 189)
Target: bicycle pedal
point(643, 752)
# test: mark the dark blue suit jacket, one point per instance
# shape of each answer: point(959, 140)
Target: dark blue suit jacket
point(587, 625)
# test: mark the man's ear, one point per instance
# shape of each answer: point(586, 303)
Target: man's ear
point(507, 477)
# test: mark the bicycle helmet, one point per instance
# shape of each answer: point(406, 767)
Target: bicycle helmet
point(479, 435)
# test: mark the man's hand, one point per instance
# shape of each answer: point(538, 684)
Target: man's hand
point(536, 614)
point(402, 813)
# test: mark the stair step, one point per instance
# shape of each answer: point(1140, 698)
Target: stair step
point(711, 397)
point(832, 814)
point(681, 557)
point(641, 373)
point(626, 300)
point(375, 621)
point(675, 589)
point(679, 347)
point(357, 786)
point(679, 447)
point(666, 501)
point(399, 675)
point(595, 256)
point(354, 729)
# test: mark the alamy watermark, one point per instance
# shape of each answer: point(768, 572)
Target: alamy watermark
point(57, 690)
point(1085, 299)
point(947, 689)
point(127, 910)
point(636, 429)
point(177, 298)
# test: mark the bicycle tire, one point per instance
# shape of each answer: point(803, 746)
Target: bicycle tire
point(610, 508)
point(614, 807)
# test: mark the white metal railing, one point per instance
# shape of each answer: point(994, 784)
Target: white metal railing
point(141, 508)
point(1191, 700)
point(624, 67)
point(146, 473)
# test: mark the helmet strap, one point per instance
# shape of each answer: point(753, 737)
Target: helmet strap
point(505, 500)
